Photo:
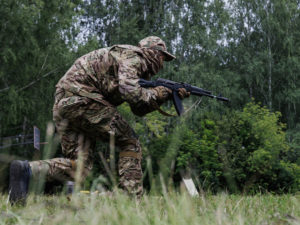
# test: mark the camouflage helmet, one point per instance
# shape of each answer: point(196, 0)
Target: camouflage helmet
point(158, 44)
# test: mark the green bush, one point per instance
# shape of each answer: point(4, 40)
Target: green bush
point(251, 144)
point(240, 151)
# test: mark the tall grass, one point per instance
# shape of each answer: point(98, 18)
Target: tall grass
point(172, 208)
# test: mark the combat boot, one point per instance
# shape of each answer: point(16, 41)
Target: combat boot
point(19, 177)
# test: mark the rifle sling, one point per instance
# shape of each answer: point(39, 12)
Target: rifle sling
point(162, 112)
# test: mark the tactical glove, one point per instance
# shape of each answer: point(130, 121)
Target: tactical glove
point(162, 94)
point(183, 93)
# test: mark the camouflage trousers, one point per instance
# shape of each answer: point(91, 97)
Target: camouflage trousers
point(80, 121)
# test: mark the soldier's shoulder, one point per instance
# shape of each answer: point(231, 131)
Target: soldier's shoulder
point(125, 51)
point(95, 54)
point(126, 48)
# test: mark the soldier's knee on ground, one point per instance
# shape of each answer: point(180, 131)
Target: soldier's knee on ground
point(39, 169)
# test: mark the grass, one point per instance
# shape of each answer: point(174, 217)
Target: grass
point(169, 209)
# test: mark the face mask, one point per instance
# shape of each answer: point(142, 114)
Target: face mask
point(153, 59)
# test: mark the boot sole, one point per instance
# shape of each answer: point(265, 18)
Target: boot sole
point(18, 184)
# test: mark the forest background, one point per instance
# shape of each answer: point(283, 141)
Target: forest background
point(246, 50)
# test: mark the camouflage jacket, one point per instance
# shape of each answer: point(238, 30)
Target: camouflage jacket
point(112, 74)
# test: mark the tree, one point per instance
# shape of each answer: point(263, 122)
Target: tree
point(264, 54)
point(36, 46)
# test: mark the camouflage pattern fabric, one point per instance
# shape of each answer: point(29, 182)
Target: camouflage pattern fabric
point(80, 121)
point(113, 73)
point(85, 110)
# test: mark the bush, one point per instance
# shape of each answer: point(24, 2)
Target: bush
point(252, 142)
point(241, 151)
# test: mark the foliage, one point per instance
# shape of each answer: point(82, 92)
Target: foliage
point(199, 152)
point(252, 144)
point(240, 151)
point(36, 50)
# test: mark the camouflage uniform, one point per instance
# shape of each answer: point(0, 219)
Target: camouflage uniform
point(85, 109)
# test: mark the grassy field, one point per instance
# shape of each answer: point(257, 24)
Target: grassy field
point(171, 209)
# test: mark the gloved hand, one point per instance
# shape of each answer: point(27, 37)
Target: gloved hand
point(183, 93)
point(163, 93)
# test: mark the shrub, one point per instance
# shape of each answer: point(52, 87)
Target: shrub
point(251, 144)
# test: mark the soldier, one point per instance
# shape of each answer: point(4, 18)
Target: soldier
point(85, 110)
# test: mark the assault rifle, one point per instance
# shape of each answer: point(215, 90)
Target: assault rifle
point(174, 86)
